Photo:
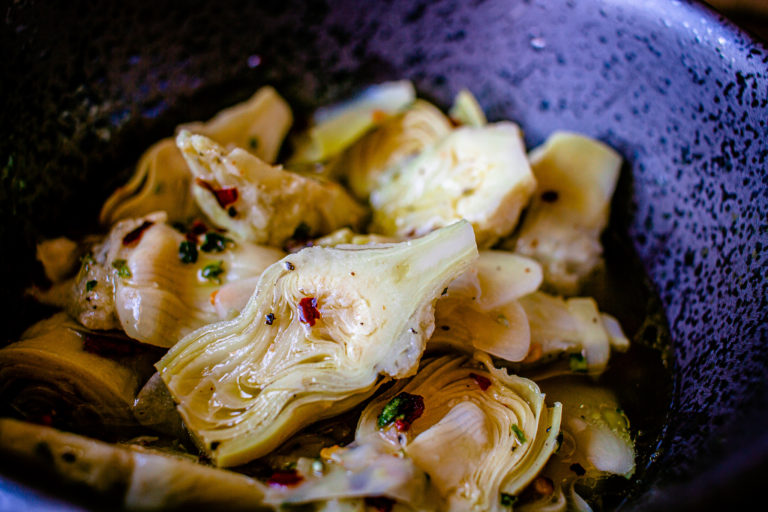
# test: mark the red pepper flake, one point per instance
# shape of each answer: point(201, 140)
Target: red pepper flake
point(288, 478)
point(483, 382)
point(402, 410)
point(109, 346)
point(224, 196)
point(135, 235)
point(308, 312)
point(380, 503)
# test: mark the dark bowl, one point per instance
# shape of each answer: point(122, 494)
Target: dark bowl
point(678, 90)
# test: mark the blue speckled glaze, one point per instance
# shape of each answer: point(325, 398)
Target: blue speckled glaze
point(680, 92)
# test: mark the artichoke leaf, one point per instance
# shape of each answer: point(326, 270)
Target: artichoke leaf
point(161, 181)
point(337, 126)
point(263, 204)
point(466, 110)
point(257, 125)
point(126, 476)
point(482, 431)
point(596, 444)
point(60, 373)
point(576, 179)
point(478, 174)
point(321, 327)
point(389, 145)
point(574, 327)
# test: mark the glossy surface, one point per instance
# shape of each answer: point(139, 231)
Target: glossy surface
point(678, 91)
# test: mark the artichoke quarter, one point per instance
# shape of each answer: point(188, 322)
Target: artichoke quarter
point(480, 174)
point(260, 203)
point(322, 328)
point(480, 434)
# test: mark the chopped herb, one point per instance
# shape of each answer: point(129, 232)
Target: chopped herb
point(578, 363)
point(253, 142)
point(289, 266)
point(287, 478)
point(403, 410)
point(308, 312)
point(507, 500)
point(578, 469)
point(518, 433)
point(135, 235)
point(482, 381)
point(122, 268)
point(213, 270)
point(214, 242)
point(90, 285)
point(187, 252)
point(269, 318)
point(549, 196)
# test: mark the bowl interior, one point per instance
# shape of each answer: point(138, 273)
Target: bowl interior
point(678, 91)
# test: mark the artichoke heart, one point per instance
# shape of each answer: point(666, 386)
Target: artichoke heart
point(353, 473)
point(129, 477)
point(323, 324)
point(480, 174)
point(162, 180)
point(257, 125)
point(59, 373)
point(260, 203)
point(390, 144)
point(337, 126)
point(482, 431)
point(152, 281)
point(576, 179)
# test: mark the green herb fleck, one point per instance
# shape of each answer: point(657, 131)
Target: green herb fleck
point(159, 188)
point(187, 252)
point(578, 363)
point(518, 433)
point(215, 242)
point(122, 268)
point(90, 285)
point(405, 408)
point(213, 271)
point(507, 500)
point(502, 320)
point(253, 142)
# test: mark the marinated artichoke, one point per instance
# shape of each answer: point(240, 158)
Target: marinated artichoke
point(479, 433)
point(338, 126)
point(162, 180)
point(478, 174)
point(389, 145)
point(322, 327)
point(259, 203)
point(62, 374)
point(158, 284)
point(126, 476)
point(576, 179)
